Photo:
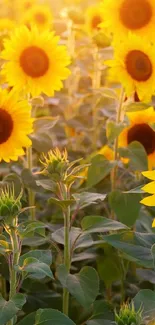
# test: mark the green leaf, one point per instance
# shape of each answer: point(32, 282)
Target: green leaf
point(84, 286)
point(5, 246)
point(29, 180)
point(29, 228)
point(52, 316)
point(135, 246)
point(63, 204)
point(145, 299)
point(136, 106)
point(99, 169)
point(28, 320)
point(44, 256)
point(94, 224)
point(77, 238)
point(109, 266)
point(62, 274)
point(126, 206)
point(8, 309)
point(36, 269)
point(137, 155)
point(113, 130)
point(85, 199)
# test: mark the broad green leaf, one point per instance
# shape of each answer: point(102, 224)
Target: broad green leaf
point(126, 206)
point(44, 256)
point(63, 204)
point(8, 309)
point(62, 274)
point(34, 268)
point(85, 199)
point(29, 180)
point(137, 156)
point(136, 106)
point(137, 190)
point(94, 224)
point(28, 320)
point(52, 316)
point(77, 238)
point(84, 286)
point(135, 246)
point(145, 299)
point(29, 228)
point(109, 266)
point(99, 169)
point(113, 130)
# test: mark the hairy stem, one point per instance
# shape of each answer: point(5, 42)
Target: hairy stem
point(116, 156)
point(31, 195)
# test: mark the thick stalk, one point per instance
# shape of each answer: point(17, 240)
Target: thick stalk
point(66, 258)
point(96, 85)
point(31, 195)
point(116, 156)
point(14, 262)
point(64, 194)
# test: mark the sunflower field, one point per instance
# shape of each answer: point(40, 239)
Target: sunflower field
point(77, 162)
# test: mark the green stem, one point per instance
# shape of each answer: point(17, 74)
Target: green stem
point(96, 85)
point(31, 194)
point(14, 262)
point(116, 156)
point(66, 258)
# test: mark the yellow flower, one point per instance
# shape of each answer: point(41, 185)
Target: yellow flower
point(6, 25)
point(137, 16)
point(36, 63)
point(24, 5)
point(107, 152)
point(149, 188)
point(15, 126)
point(140, 130)
point(39, 15)
point(134, 64)
point(94, 17)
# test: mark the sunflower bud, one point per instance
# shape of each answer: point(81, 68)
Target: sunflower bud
point(101, 40)
point(10, 206)
point(56, 164)
point(128, 316)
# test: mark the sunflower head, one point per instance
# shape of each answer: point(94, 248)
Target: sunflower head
point(134, 64)
point(94, 17)
point(15, 125)
point(10, 206)
point(55, 164)
point(36, 62)
point(40, 16)
point(140, 130)
point(128, 315)
point(123, 16)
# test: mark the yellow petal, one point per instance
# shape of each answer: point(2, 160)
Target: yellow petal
point(149, 175)
point(149, 188)
point(153, 224)
point(149, 201)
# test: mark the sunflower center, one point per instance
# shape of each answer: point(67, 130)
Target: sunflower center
point(6, 125)
point(96, 20)
point(144, 134)
point(135, 14)
point(34, 61)
point(40, 18)
point(138, 65)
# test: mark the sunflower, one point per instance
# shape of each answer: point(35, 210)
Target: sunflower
point(39, 15)
point(24, 5)
point(134, 64)
point(36, 63)
point(149, 188)
point(137, 16)
point(140, 130)
point(6, 26)
point(94, 18)
point(15, 126)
